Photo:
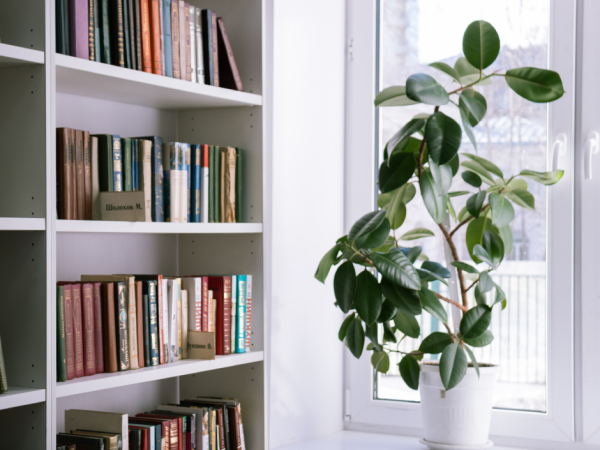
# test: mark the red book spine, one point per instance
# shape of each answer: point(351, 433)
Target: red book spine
point(77, 325)
point(70, 337)
point(161, 321)
point(155, 37)
point(248, 319)
point(226, 315)
point(89, 348)
point(146, 40)
point(205, 304)
point(215, 284)
point(98, 340)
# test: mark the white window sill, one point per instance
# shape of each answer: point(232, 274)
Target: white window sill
point(353, 440)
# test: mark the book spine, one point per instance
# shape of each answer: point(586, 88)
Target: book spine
point(105, 163)
point(199, 49)
point(229, 194)
point(80, 178)
point(95, 176)
point(175, 38)
point(223, 161)
point(89, 347)
point(3, 380)
point(78, 327)
point(238, 185)
point(66, 27)
point(173, 299)
point(227, 60)
point(186, 185)
point(60, 28)
point(98, 344)
point(179, 321)
point(105, 32)
point(182, 32)
point(126, 34)
point(221, 420)
point(205, 304)
point(153, 329)
point(87, 175)
point(69, 332)
point(162, 37)
point(134, 165)
point(211, 181)
point(195, 181)
point(192, 32)
point(207, 46)
point(109, 328)
point(160, 319)
point(117, 163)
point(141, 324)
point(157, 181)
point(234, 431)
point(215, 47)
point(166, 321)
point(91, 30)
point(146, 37)
point(121, 326)
point(155, 37)
point(97, 31)
point(241, 324)
point(204, 184)
point(227, 315)
point(132, 323)
point(234, 311)
point(73, 152)
point(132, 38)
point(61, 357)
point(248, 310)
point(117, 33)
point(241, 426)
point(78, 28)
point(188, 43)
point(139, 54)
point(185, 311)
point(145, 161)
point(146, 327)
point(64, 173)
point(175, 155)
point(168, 38)
point(167, 182)
point(127, 164)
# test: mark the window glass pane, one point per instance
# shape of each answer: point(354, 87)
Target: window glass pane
point(413, 34)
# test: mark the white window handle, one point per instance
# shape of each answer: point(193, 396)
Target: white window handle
point(559, 149)
point(591, 148)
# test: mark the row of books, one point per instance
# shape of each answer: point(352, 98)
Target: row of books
point(3, 382)
point(204, 423)
point(181, 182)
point(110, 323)
point(165, 37)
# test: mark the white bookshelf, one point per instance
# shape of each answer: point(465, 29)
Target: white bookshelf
point(46, 90)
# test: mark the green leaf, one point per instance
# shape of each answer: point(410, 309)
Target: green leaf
point(442, 176)
point(546, 178)
point(451, 209)
point(517, 183)
point(473, 360)
point(388, 311)
point(482, 341)
point(485, 175)
point(345, 325)
point(434, 201)
point(483, 255)
point(475, 203)
point(413, 145)
point(463, 214)
point(453, 366)
point(480, 297)
point(474, 234)
point(396, 208)
point(400, 139)
point(436, 268)
point(521, 197)
point(464, 266)
point(375, 238)
point(386, 246)
point(427, 276)
point(396, 172)
point(432, 305)
point(366, 224)
point(471, 178)
point(393, 96)
point(396, 267)
point(355, 338)
point(507, 238)
point(481, 44)
point(326, 262)
point(469, 74)
point(344, 285)
point(410, 371)
point(535, 85)
point(454, 165)
point(367, 299)
point(464, 117)
point(406, 300)
point(443, 137)
point(475, 321)
point(412, 253)
point(492, 243)
point(423, 88)
point(486, 164)
point(407, 324)
point(447, 70)
point(416, 233)
point(380, 361)
point(435, 343)
point(372, 332)
point(502, 210)
point(500, 295)
point(474, 105)
point(485, 282)
point(389, 335)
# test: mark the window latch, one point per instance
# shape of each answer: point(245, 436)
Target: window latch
point(591, 148)
point(559, 149)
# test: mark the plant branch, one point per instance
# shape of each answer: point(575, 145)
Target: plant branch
point(357, 253)
point(461, 278)
point(452, 302)
point(472, 284)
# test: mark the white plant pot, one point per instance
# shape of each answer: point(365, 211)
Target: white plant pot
point(458, 418)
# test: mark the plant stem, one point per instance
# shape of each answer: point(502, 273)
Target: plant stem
point(452, 302)
point(422, 150)
point(461, 278)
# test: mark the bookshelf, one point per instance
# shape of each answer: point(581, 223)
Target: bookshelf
point(45, 90)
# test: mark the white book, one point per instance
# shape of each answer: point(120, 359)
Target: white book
point(184, 197)
point(79, 419)
point(166, 319)
point(182, 61)
point(173, 301)
point(193, 44)
point(145, 175)
point(171, 165)
point(211, 316)
point(201, 431)
point(204, 187)
point(194, 288)
point(95, 181)
point(199, 50)
point(184, 323)
point(248, 311)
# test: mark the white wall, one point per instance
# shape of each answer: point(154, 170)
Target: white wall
point(306, 358)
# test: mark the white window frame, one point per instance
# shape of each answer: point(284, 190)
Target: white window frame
point(362, 413)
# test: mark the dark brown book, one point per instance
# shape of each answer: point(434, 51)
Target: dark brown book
point(89, 347)
point(80, 178)
point(155, 37)
point(215, 48)
point(73, 199)
point(99, 345)
point(87, 175)
point(146, 39)
point(109, 331)
point(117, 33)
point(144, 443)
point(228, 71)
point(63, 165)
point(140, 321)
point(234, 428)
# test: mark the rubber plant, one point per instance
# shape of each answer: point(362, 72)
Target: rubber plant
point(392, 283)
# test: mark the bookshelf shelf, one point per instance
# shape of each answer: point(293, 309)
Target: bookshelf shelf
point(92, 79)
point(177, 369)
point(97, 226)
point(21, 224)
point(12, 56)
point(17, 396)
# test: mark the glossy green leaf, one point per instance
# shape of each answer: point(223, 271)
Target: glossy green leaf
point(433, 305)
point(464, 266)
point(474, 234)
point(435, 343)
point(521, 197)
point(454, 164)
point(345, 325)
point(492, 243)
point(416, 233)
point(475, 321)
point(507, 238)
point(500, 295)
point(397, 172)
point(485, 282)
point(393, 96)
point(502, 210)
point(480, 297)
point(457, 193)
point(396, 208)
point(344, 285)
point(386, 246)
point(389, 335)
point(366, 224)
point(471, 178)
point(434, 201)
point(489, 166)
point(380, 361)
point(376, 237)
point(412, 253)
point(406, 300)
point(372, 333)
point(396, 267)
point(463, 214)
point(436, 268)
point(484, 174)
point(453, 366)
point(388, 311)
point(423, 88)
point(473, 359)
point(442, 176)
point(443, 137)
point(407, 324)
point(410, 371)
point(400, 139)
point(326, 262)
point(535, 85)
point(482, 341)
point(368, 299)
point(475, 203)
point(481, 44)
point(546, 178)
point(427, 276)
point(451, 210)
point(355, 338)
point(448, 70)
point(483, 255)
point(473, 104)
point(464, 117)
point(469, 74)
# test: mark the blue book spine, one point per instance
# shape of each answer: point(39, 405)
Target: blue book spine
point(168, 42)
point(196, 182)
point(157, 182)
point(241, 316)
point(117, 164)
point(153, 298)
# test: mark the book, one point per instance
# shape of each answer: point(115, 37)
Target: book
point(207, 46)
point(163, 291)
point(78, 29)
point(221, 199)
point(191, 19)
point(154, 433)
point(117, 43)
point(222, 422)
point(188, 427)
point(162, 428)
point(175, 160)
point(182, 40)
point(142, 434)
point(109, 328)
point(78, 419)
point(131, 11)
point(183, 191)
point(157, 177)
point(91, 30)
point(238, 185)
point(188, 41)
point(168, 43)
point(146, 36)
point(97, 31)
point(205, 304)
point(234, 311)
point(126, 34)
point(215, 48)
point(105, 162)
point(3, 380)
point(134, 164)
point(87, 176)
point(248, 310)
point(135, 439)
point(73, 153)
point(141, 316)
point(193, 286)
point(89, 347)
point(117, 163)
point(199, 47)
point(78, 331)
point(146, 327)
point(204, 185)
point(122, 327)
point(175, 38)
point(95, 179)
point(197, 417)
point(162, 313)
point(98, 339)
point(81, 442)
point(80, 176)
point(127, 164)
point(179, 319)
point(212, 308)
point(184, 323)
point(221, 288)
point(229, 76)
point(195, 183)
point(62, 27)
point(174, 430)
point(69, 330)
point(139, 65)
point(153, 317)
point(112, 441)
point(145, 175)
point(162, 37)
point(240, 346)
point(173, 299)
point(155, 37)
point(105, 50)
point(211, 183)
point(229, 185)
point(63, 164)
point(61, 352)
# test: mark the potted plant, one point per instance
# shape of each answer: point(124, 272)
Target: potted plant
point(456, 395)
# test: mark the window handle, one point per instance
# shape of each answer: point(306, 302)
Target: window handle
point(559, 149)
point(591, 148)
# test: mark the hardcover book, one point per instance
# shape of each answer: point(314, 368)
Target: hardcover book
point(153, 329)
point(78, 327)
point(145, 148)
point(92, 30)
point(192, 33)
point(155, 37)
point(95, 172)
point(175, 428)
point(163, 425)
point(195, 182)
point(248, 310)
point(131, 11)
point(146, 328)
point(229, 185)
point(141, 314)
point(97, 30)
point(117, 163)
point(184, 324)
point(146, 36)
point(188, 42)
point(89, 347)
point(238, 185)
point(168, 38)
point(240, 346)
point(199, 47)
point(117, 35)
point(80, 175)
point(154, 433)
point(193, 286)
point(221, 288)
point(122, 327)
point(127, 164)
point(138, 36)
point(126, 34)
point(78, 419)
point(109, 328)
point(78, 28)
point(61, 353)
point(105, 32)
point(87, 176)
point(105, 162)
point(175, 38)
point(182, 38)
point(215, 48)
point(63, 164)
point(229, 75)
point(197, 428)
point(204, 175)
point(207, 46)
point(62, 27)
point(162, 312)
point(69, 331)
point(157, 177)
point(98, 341)
point(3, 380)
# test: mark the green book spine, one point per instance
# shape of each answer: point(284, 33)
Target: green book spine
point(61, 356)
point(97, 34)
point(66, 30)
point(3, 382)
point(105, 162)
point(146, 322)
point(105, 32)
point(238, 185)
point(128, 163)
point(126, 34)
